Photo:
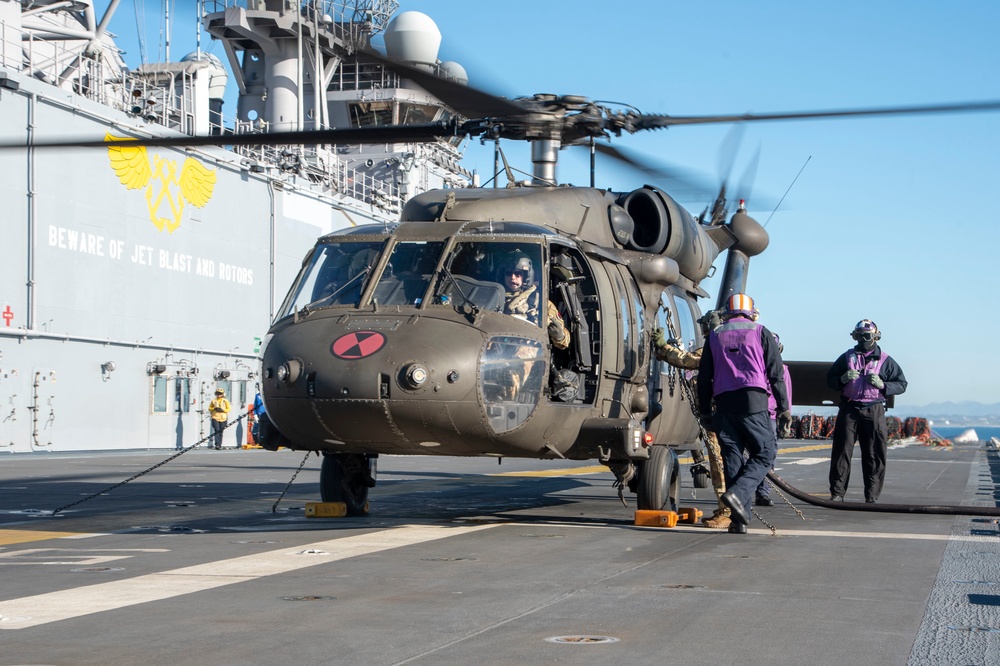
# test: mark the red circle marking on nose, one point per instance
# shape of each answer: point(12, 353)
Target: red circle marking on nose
point(357, 345)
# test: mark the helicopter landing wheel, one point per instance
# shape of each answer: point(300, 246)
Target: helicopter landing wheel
point(346, 477)
point(700, 476)
point(659, 480)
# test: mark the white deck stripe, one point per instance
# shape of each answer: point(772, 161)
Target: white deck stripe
point(65, 604)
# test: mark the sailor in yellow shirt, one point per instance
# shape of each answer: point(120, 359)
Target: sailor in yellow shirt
point(219, 409)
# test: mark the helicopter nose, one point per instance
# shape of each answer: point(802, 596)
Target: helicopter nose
point(403, 383)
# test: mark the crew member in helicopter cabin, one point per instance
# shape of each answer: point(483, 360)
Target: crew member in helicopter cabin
point(740, 365)
point(865, 376)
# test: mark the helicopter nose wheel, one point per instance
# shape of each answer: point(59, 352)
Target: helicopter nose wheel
point(659, 480)
point(346, 477)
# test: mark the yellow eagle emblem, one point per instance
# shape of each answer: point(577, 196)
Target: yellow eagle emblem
point(196, 183)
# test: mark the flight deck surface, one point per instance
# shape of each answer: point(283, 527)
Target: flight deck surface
point(467, 561)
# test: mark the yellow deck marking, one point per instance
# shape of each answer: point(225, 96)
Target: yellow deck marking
point(8, 537)
point(800, 449)
point(571, 471)
point(76, 602)
point(598, 469)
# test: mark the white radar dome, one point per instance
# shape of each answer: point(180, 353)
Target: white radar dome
point(217, 76)
point(455, 71)
point(413, 37)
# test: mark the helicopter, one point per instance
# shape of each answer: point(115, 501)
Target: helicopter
point(398, 340)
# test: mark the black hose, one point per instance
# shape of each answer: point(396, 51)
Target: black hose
point(941, 509)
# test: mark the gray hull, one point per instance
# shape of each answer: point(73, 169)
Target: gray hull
point(136, 281)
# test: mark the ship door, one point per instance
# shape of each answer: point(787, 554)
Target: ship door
point(14, 413)
point(42, 412)
point(185, 419)
point(173, 423)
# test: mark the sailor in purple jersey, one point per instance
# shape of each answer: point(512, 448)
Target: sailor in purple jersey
point(865, 376)
point(740, 367)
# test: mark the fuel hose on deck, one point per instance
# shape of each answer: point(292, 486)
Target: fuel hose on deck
point(941, 509)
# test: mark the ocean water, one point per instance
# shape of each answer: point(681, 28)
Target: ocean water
point(983, 432)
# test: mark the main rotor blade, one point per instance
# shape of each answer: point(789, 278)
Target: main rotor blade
point(684, 183)
point(347, 136)
point(466, 100)
point(657, 121)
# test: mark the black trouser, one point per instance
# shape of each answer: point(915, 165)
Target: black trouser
point(866, 425)
point(752, 432)
point(217, 428)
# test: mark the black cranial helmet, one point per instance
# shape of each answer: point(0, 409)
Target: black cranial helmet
point(518, 261)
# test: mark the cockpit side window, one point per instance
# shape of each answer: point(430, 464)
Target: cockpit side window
point(495, 276)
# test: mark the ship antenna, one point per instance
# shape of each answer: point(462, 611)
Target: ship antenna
point(166, 23)
point(197, 29)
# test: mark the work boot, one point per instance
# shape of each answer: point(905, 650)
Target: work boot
point(763, 501)
point(836, 498)
point(738, 513)
point(737, 528)
point(717, 522)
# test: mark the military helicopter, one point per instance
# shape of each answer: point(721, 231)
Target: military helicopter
point(397, 340)
point(400, 339)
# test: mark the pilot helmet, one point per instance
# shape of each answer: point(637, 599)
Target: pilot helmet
point(740, 304)
point(518, 261)
point(866, 331)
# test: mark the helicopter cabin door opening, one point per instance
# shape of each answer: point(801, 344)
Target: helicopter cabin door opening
point(677, 316)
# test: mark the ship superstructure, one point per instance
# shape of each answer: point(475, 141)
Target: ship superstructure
point(136, 281)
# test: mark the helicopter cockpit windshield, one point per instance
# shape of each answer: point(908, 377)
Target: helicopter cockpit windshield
point(334, 275)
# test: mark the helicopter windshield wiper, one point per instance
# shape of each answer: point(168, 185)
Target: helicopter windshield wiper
point(458, 288)
point(329, 297)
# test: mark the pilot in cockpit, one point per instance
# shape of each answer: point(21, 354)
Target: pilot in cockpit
point(521, 301)
point(521, 298)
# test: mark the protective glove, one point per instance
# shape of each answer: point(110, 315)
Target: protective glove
point(706, 421)
point(557, 332)
point(659, 340)
point(875, 380)
point(849, 376)
point(785, 425)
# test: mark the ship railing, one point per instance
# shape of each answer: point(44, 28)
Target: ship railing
point(165, 98)
point(56, 63)
point(354, 75)
point(371, 16)
point(319, 166)
point(154, 98)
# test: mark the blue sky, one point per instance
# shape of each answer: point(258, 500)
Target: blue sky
point(892, 219)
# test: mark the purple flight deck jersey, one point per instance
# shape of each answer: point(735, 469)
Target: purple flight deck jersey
point(739, 357)
point(859, 390)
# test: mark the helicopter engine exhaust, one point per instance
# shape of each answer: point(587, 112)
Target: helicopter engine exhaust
point(662, 226)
